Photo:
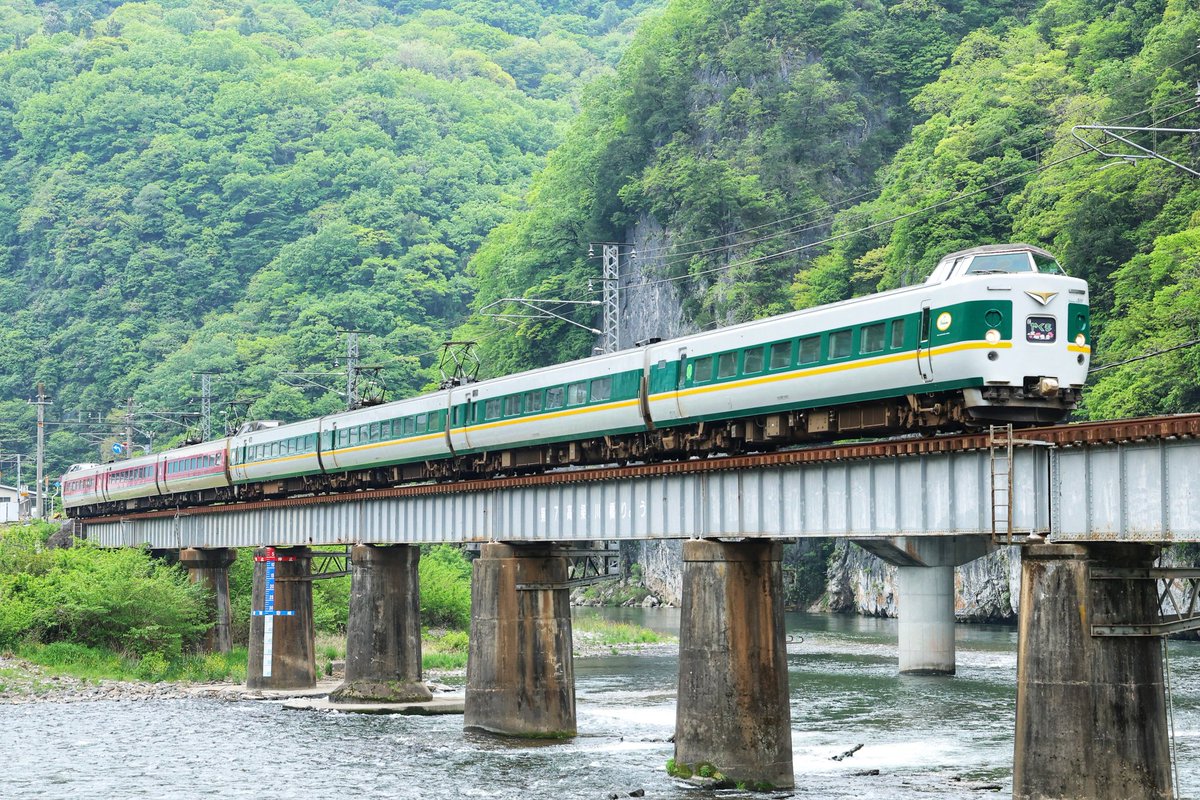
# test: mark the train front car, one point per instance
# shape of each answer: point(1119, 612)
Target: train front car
point(1028, 327)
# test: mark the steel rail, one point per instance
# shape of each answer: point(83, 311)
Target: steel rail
point(1068, 435)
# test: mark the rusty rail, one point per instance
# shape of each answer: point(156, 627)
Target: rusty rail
point(1069, 435)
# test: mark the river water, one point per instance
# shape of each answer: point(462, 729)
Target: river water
point(927, 737)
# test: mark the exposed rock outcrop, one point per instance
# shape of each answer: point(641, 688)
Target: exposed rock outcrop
point(860, 583)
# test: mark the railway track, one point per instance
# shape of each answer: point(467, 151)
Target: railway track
point(1181, 426)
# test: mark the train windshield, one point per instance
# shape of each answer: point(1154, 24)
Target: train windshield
point(1047, 265)
point(1021, 261)
point(1000, 263)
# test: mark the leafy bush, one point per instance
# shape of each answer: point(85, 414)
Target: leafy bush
point(117, 599)
point(153, 667)
point(445, 587)
point(331, 604)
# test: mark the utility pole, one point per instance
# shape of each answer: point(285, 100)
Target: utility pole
point(205, 406)
point(612, 308)
point(610, 255)
point(129, 428)
point(351, 369)
point(41, 403)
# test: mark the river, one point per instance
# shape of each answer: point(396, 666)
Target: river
point(927, 737)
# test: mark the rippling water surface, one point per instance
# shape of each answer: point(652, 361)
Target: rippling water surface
point(928, 737)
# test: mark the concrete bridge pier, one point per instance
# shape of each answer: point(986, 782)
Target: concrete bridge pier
point(733, 709)
point(383, 635)
point(282, 653)
point(925, 577)
point(1091, 710)
point(520, 672)
point(210, 568)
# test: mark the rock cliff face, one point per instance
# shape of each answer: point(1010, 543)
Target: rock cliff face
point(662, 569)
point(649, 308)
point(860, 583)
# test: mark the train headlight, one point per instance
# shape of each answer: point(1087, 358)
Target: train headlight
point(1079, 339)
point(992, 336)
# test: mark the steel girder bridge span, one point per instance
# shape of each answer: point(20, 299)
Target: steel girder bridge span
point(1089, 505)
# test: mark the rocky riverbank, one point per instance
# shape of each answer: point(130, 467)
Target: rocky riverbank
point(24, 682)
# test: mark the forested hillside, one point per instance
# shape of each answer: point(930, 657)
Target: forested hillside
point(738, 135)
point(222, 186)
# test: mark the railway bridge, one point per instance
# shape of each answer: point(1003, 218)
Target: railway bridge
point(1090, 505)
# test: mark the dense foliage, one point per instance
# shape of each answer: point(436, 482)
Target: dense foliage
point(114, 599)
point(223, 186)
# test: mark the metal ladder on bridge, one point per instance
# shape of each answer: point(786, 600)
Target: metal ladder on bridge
point(1000, 459)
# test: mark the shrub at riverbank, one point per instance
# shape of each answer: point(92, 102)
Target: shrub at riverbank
point(121, 600)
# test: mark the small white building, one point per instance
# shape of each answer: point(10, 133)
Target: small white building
point(10, 503)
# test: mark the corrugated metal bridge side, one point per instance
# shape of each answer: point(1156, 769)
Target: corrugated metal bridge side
point(1127, 480)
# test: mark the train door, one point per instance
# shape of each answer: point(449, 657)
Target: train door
point(681, 380)
point(924, 357)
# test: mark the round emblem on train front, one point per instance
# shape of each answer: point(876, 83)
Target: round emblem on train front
point(943, 321)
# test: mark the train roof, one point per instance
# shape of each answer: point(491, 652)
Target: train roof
point(985, 249)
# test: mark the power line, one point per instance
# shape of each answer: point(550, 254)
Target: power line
point(1145, 356)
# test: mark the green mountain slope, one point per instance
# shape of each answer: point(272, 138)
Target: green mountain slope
point(222, 186)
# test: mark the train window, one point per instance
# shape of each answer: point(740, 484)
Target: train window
point(512, 405)
point(752, 362)
point(872, 338)
point(726, 365)
point(374, 431)
point(810, 350)
point(897, 334)
point(492, 408)
point(410, 425)
point(554, 397)
point(533, 402)
point(781, 355)
point(839, 344)
point(601, 389)
point(1000, 262)
point(577, 393)
point(702, 369)
point(1047, 265)
point(422, 423)
point(353, 437)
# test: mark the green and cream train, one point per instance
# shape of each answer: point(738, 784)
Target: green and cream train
point(996, 334)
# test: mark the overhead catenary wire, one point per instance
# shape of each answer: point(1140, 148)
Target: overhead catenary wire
point(1144, 356)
